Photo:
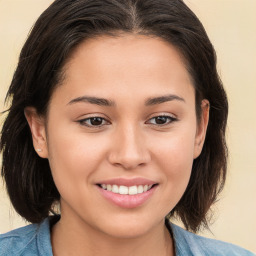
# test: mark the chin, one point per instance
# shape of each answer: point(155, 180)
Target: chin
point(128, 232)
point(128, 228)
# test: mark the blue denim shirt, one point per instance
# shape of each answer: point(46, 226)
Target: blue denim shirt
point(34, 240)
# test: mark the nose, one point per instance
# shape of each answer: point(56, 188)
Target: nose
point(129, 149)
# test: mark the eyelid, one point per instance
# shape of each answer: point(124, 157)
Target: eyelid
point(83, 120)
point(172, 117)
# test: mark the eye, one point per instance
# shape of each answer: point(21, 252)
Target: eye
point(162, 120)
point(95, 121)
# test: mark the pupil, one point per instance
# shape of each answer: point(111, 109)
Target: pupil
point(161, 119)
point(96, 121)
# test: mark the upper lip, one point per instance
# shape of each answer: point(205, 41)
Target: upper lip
point(128, 182)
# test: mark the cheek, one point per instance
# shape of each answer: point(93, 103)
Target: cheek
point(73, 158)
point(175, 153)
point(174, 159)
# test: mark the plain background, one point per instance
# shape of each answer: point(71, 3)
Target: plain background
point(231, 26)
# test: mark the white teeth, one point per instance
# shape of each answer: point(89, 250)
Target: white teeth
point(133, 190)
point(115, 189)
point(145, 188)
point(124, 190)
point(140, 189)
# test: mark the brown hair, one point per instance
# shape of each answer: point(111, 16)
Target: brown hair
point(57, 32)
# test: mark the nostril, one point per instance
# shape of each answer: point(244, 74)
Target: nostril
point(129, 157)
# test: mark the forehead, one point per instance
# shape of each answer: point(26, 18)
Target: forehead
point(127, 65)
point(128, 51)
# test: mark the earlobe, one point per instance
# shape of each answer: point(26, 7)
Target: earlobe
point(202, 128)
point(38, 131)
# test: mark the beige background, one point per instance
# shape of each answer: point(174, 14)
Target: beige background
point(231, 25)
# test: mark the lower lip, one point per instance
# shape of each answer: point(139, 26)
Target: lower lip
point(127, 201)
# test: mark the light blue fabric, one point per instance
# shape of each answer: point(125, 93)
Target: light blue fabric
point(31, 240)
point(188, 244)
point(34, 240)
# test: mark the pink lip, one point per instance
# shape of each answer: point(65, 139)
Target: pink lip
point(127, 201)
point(128, 182)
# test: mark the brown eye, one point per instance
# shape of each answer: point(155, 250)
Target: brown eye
point(162, 120)
point(93, 121)
point(96, 120)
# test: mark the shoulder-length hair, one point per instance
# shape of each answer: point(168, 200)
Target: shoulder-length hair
point(55, 35)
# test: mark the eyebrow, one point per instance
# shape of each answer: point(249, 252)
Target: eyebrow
point(93, 100)
point(110, 103)
point(162, 99)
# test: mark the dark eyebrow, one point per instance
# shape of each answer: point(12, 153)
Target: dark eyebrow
point(110, 103)
point(162, 99)
point(93, 100)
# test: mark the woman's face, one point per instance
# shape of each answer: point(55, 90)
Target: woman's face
point(122, 121)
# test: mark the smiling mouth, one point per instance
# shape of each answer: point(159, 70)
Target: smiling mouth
point(125, 190)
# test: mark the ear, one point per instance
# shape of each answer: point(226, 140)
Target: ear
point(201, 128)
point(38, 131)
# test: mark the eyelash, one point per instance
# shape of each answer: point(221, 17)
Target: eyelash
point(171, 119)
point(83, 121)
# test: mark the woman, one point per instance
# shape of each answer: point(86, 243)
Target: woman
point(118, 115)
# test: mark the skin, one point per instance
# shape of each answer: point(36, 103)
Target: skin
point(129, 143)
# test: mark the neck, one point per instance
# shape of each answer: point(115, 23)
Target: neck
point(71, 237)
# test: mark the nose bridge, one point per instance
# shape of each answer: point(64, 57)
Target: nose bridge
point(129, 148)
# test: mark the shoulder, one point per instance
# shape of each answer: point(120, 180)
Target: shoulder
point(188, 243)
point(33, 239)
